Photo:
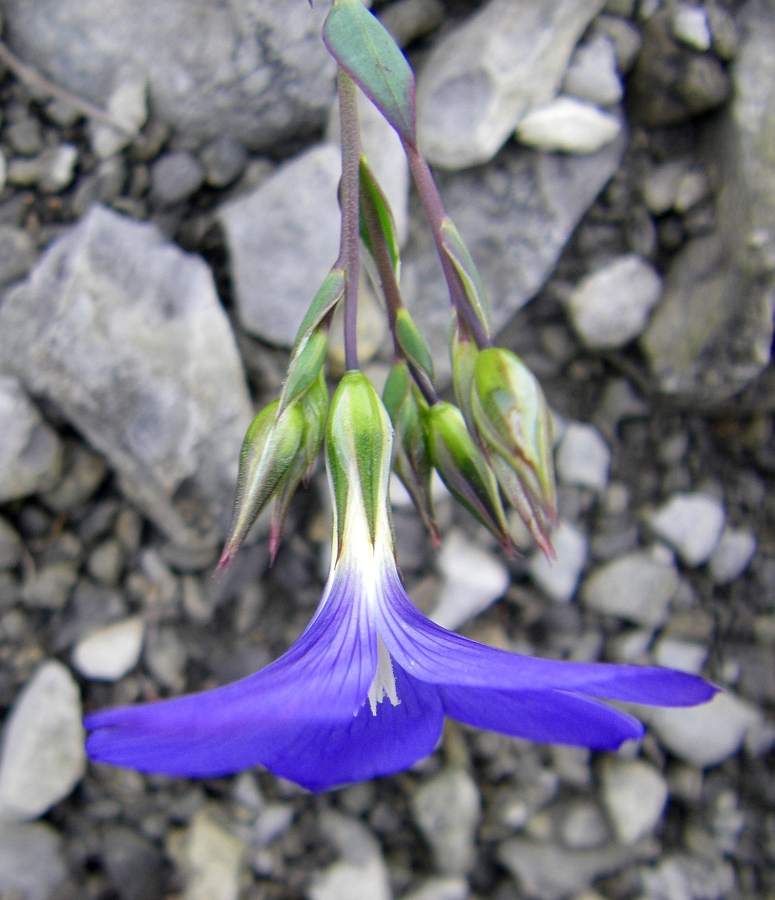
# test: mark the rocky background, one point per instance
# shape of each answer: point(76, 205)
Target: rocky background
point(168, 210)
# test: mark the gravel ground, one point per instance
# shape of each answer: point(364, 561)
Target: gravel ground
point(666, 552)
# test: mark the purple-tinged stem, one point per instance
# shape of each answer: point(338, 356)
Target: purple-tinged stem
point(349, 200)
point(435, 212)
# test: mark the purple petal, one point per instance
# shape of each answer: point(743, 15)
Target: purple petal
point(545, 716)
point(368, 745)
point(433, 654)
point(319, 683)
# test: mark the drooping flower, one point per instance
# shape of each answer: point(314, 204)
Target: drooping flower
point(364, 691)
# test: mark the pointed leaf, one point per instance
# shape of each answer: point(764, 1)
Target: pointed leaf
point(328, 295)
point(305, 367)
point(464, 265)
point(366, 51)
point(372, 194)
point(414, 345)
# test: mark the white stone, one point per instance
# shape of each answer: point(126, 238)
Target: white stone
point(704, 735)
point(441, 889)
point(361, 873)
point(686, 656)
point(690, 26)
point(447, 810)
point(472, 580)
point(636, 586)
point(483, 76)
point(583, 457)
point(660, 187)
point(108, 653)
point(610, 307)
point(567, 125)
point(691, 524)
point(42, 757)
point(592, 74)
point(559, 578)
point(634, 793)
point(128, 107)
point(731, 558)
point(213, 860)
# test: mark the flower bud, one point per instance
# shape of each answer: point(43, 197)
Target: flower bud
point(359, 444)
point(411, 461)
point(463, 353)
point(513, 420)
point(269, 448)
point(464, 469)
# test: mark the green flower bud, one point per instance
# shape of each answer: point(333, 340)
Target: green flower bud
point(268, 451)
point(359, 444)
point(464, 469)
point(513, 420)
point(463, 353)
point(411, 460)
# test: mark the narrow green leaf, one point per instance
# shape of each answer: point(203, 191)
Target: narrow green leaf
point(365, 50)
point(304, 368)
point(464, 265)
point(371, 194)
point(413, 344)
point(328, 295)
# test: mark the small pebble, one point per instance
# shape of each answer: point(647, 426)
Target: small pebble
point(690, 26)
point(440, 889)
point(175, 177)
point(686, 656)
point(10, 546)
point(583, 457)
point(224, 160)
point(360, 873)
point(592, 74)
point(691, 524)
point(661, 184)
point(32, 863)
point(735, 550)
point(42, 756)
point(212, 859)
point(106, 562)
point(472, 580)
point(409, 20)
point(50, 586)
point(583, 827)
point(568, 125)
point(559, 578)
point(110, 652)
point(447, 811)
point(634, 793)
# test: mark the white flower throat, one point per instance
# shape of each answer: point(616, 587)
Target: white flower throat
point(384, 683)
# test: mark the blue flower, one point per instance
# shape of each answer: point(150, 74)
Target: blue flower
point(364, 691)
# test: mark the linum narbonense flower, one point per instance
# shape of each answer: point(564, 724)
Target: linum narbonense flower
point(365, 689)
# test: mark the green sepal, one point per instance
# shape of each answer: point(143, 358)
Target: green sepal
point(366, 51)
point(463, 352)
point(267, 454)
point(414, 346)
point(411, 459)
point(461, 259)
point(359, 442)
point(513, 419)
point(371, 194)
point(328, 295)
point(464, 469)
point(314, 408)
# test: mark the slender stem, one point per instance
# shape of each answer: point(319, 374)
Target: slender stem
point(434, 210)
point(349, 200)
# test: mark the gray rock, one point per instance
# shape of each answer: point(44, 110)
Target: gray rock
point(42, 757)
point(711, 334)
point(17, 254)
point(592, 74)
point(447, 810)
point(211, 858)
point(49, 586)
point(634, 793)
point(472, 580)
point(735, 550)
point(661, 184)
point(165, 656)
point(133, 865)
point(567, 125)
point(515, 215)
point(224, 160)
point(686, 656)
point(361, 872)
point(84, 471)
point(10, 546)
point(51, 171)
point(482, 77)
point(128, 107)
point(583, 457)
point(32, 863)
point(690, 26)
point(683, 877)
point(282, 241)
point(559, 578)
point(106, 562)
point(637, 586)
point(611, 305)
point(547, 872)
point(408, 20)
point(625, 37)
point(583, 827)
point(175, 177)
point(30, 451)
point(440, 889)
point(129, 340)
point(108, 653)
point(691, 524)
point(24, 136)
point(704, 735)
point(255, 69)
point(670, 82)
